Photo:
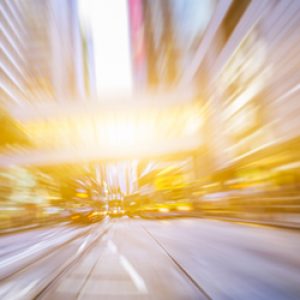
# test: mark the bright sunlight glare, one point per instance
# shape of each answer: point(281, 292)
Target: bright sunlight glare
point(109, 25)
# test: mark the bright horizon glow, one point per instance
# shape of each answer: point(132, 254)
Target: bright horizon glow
point(109, 25)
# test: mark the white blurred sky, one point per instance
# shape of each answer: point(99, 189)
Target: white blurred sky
point(109, 23)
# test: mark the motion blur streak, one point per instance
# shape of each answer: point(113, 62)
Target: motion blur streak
point(149, 149)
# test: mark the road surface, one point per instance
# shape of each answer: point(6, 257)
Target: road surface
point(151, 259)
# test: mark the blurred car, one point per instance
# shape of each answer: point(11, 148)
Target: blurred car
point(87, 215)
point(116, 208)
point(116, 212)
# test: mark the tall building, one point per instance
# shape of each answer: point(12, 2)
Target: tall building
point(160, 44)
point(164, 37)
point(38, 50)
point(55, 53)
point(252, 73)
point(89, 63)
point(13, 37)
point(67, 64)
point(137, 41)
point(151, 43)
point(41, 55)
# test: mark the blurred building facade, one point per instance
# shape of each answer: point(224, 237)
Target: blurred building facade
point(89, 62)
point(153, 48)
point(41, 51)
point(137, 41)
point(240, 57)
point(66, 48)
point(247, 60)
point(12, 58)
point(164, 36)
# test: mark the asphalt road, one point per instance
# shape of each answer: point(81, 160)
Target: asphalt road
point(151, 259)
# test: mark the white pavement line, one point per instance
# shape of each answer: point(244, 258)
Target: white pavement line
point(20, 256)
point(136, 278)
point(112, 246)
point(38, 249)
point(134, 275)
point(22, 293)
point(10, 290)
point(83, 245)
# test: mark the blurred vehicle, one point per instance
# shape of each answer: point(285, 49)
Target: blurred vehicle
point(116, 206)
point(87, 214)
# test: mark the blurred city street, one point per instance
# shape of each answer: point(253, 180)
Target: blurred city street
point(149, 149)
point(127, 258)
